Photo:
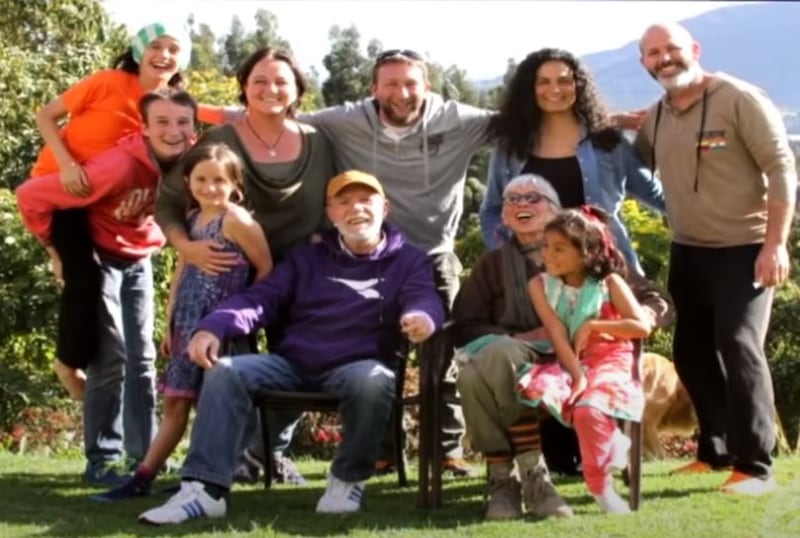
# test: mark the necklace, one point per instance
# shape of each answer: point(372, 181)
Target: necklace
point(271, 151)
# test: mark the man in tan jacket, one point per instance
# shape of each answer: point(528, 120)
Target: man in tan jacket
point(722, 153)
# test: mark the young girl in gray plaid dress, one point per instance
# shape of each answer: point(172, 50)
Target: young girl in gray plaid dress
point(214, 178)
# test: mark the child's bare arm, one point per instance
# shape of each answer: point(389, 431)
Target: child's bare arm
point(555, 328)
point(71, 173)
point(634, 322)
point(240, 227)
point(165, 347)
point(173, 288)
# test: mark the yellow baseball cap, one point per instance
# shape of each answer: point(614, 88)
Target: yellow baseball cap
point(353, 177)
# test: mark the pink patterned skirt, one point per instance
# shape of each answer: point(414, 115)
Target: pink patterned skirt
point(610, 385)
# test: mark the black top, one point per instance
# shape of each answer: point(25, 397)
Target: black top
point(565, 175)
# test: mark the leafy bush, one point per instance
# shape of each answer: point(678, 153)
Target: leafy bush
point(27, 326)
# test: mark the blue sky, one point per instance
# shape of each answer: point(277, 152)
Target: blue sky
point(478, 36)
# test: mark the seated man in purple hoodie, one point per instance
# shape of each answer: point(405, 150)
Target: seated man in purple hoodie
point(341, 307)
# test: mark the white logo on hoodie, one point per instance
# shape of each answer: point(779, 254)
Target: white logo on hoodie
point(365, 288)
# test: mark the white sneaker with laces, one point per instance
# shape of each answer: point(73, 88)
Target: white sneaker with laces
point(341, 497)
point(191, 502)
point(620, 446)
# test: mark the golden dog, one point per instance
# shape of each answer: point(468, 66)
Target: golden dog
point(667, 407)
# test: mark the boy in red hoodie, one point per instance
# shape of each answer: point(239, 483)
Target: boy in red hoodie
point(123, 182)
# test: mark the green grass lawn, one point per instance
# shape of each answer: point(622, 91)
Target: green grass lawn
point(42, 496)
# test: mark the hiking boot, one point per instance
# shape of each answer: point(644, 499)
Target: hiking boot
point(458, 468)
point(744, 484)
point(191, 502)
point(503, 492)
point(538, 492)
point(341, 497)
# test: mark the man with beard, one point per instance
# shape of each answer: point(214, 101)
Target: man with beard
point(729, 180)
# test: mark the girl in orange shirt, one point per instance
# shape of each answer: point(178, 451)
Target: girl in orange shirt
point(102, 108)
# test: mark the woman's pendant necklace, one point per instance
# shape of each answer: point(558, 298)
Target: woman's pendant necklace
point(271, 148)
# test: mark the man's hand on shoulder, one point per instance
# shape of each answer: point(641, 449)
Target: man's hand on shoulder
point(203, 349)
point(417, 326)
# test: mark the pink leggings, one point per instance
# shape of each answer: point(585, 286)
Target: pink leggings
point(595, 430)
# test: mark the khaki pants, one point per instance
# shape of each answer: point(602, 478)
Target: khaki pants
point(486, 384)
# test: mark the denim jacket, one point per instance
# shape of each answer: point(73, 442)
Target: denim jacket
point(607, 176)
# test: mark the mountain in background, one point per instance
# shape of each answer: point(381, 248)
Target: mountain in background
point(755, 42)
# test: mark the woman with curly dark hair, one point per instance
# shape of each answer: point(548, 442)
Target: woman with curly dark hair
point(553, 123)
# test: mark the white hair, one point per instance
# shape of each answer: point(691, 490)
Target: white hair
point(544, 187)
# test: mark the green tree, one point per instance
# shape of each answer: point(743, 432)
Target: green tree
point(348, 69)
point(238, 44)
point(204, 50)
point(495, 96)
point(266, 33)
point(457, 86)
point(233, 46)
point(47, 45)
point(312, 100)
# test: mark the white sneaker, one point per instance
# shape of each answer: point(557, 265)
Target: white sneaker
point(612, 503)
point(620, 446)
point(190, 502)
point(341, 497)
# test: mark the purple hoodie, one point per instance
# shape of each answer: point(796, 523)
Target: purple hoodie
point(324, 307)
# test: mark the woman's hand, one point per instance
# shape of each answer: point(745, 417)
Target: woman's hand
point(74, 180)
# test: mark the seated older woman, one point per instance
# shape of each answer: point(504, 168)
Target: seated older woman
point(494, 322)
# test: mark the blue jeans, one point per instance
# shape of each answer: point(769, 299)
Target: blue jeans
point(366, 389)
point(119, 406)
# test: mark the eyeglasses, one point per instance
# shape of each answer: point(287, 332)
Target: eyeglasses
point(400, 54)
point(527, 198)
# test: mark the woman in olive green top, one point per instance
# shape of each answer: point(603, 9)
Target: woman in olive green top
point(287, 164)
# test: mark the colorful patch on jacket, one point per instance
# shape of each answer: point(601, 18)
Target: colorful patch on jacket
point(712, 140)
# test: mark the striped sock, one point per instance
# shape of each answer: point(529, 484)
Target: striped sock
point(497, 457)
point(525, 432)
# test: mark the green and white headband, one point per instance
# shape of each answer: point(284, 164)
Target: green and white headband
point(142, 39)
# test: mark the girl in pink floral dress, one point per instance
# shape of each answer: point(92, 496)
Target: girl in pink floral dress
point(591, 315)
